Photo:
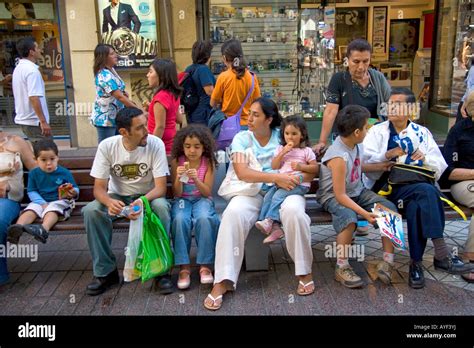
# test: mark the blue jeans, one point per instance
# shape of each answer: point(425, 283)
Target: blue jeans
point(199, 213)
point(105, 132)
point(9, 211)
point(274, 198)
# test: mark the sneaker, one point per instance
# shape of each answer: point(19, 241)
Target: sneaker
point(384, 271)
point(277, 233)
point(37, 231)
point(347, 277)
point(453, 264)
point(265, 226)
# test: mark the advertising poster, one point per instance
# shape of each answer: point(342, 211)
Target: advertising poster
point(130, 27)
point(379, 29)
point(48, 39)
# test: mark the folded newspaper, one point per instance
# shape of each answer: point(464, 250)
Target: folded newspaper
point(391, 225)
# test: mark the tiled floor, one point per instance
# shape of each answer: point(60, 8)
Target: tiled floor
point(55, 284)
point(455, 236)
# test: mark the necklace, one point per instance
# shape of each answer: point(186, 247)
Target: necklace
point(364, 91)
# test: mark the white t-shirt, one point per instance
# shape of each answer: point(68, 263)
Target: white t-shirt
point(130, 172)
point(28, 82)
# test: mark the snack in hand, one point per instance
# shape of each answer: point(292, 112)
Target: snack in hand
point(64, 189)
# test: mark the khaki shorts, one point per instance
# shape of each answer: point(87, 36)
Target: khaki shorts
point(63, 207)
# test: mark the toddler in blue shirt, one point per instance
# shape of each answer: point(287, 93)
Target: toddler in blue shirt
point(51, 189)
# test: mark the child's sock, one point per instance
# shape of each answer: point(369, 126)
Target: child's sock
point(341, 263)
point(388, 257)
point(440, 249)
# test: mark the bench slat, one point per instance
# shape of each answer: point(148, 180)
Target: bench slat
point(77, 162)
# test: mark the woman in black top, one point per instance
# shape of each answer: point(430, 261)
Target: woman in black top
point(458, 151)
point(358, 85)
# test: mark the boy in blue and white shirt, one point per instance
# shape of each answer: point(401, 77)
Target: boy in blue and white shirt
point(51, 189)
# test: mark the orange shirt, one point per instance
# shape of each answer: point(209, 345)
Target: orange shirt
point(231, 93)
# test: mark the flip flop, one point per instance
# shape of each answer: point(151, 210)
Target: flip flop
point(216, 304)
point(304, 293)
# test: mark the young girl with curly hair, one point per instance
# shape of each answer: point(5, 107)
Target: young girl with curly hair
point(192, 173)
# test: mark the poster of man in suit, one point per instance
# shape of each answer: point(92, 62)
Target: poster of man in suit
point(130, 27)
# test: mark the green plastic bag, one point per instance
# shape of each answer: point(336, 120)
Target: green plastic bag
point(157, 253)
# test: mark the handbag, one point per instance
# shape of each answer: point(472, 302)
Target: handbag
point(403, 174)
point(231, 125)
point(232, 186)
point(156, 246)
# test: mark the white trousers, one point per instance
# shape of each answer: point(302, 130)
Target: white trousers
point(240, 216)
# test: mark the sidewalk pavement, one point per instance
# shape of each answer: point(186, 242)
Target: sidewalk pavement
point(55, 284)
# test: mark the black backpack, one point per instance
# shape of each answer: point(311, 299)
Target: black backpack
point(189, 97)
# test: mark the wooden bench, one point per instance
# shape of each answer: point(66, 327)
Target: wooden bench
point(256, 253)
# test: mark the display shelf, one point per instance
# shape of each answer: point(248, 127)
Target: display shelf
point(268, 33)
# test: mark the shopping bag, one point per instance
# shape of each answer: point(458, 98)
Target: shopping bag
point(157, 253)
point(134, 251)
point(391, 225)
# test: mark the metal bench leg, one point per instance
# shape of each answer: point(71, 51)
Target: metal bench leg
point(256, 253)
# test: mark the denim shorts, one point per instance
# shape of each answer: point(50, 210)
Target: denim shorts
point(342, 216)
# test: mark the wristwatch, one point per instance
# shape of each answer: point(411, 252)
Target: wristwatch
point(126, 42)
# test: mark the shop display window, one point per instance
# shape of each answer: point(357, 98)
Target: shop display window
point(290, 50)
point(39, 20)
point(453, 54)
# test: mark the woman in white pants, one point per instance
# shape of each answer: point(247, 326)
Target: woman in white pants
point(242, 211)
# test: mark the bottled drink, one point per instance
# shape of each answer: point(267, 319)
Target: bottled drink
point(129, 209)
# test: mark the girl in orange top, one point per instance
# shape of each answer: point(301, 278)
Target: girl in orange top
point(233, 84)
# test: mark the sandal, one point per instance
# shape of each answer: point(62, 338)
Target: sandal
point(216, 302)
point(184, 282)
point(206, 276)
point(302, 291)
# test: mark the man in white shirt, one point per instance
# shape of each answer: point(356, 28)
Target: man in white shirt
point(125, 167)
point(29, 93)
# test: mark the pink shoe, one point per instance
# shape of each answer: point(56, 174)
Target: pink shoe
point(277, 233)
point(206, 276)
point(265, 226)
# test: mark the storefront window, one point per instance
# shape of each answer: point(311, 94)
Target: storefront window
point(37, 19)
point(451, 59)
point(268, 31)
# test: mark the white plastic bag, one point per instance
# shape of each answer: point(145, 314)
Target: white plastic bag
point(131, 272)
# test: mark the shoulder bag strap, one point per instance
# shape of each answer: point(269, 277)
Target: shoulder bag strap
point(247, 97)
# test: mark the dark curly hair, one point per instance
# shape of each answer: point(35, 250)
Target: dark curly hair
point(299, 123)
point(205, 138)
